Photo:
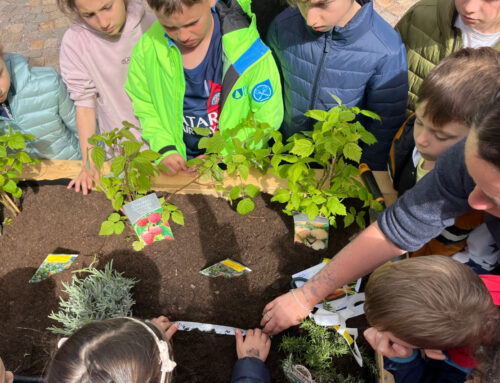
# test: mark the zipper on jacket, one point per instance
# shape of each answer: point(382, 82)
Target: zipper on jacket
point(318, 71)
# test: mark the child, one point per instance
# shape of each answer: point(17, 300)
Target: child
point(448, 101)
point(5, 376)
point(344, 48)
point(94, 58)
point(116, 350)
point(435, 304)
point(432, 29)
point(35, 101)
point(200, 66)
point(127, 350)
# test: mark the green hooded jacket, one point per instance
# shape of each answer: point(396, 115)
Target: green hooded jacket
point(429, 34)
point(250, 81)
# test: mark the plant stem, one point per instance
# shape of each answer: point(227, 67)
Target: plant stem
point(328, 178)
point(10, 204)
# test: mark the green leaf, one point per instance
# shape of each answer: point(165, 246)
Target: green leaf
point(371, 114)
point(205, 132)
point(244, 170)
point(214, 144)
point(114, 217)
point(178, 217)
point(252, 190)
point(107, 228)
point(98, 156)
point(130, 147)
point(245, 206)
point(149, 155)
point(303, 148)
point(18, 193)
point(335, 206)
point(138, 245)
point(119, 227)
point(367, 137)
point(347, 115)
point(3, 151)
point(336, 98)
point(10, 186)
point(281, 195)
point(319, 115)
point(23, 157)
point(318, 199)
point(312, 211)
point(360, 219)
point(17, 142)
point(235, 192)
point(348, 219)
point(238, 158)
point(118, 202)
point(118, 165)
point(352, 151)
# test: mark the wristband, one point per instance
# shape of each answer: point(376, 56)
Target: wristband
point(298, 302)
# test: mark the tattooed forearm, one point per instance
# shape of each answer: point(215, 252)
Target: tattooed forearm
point(253, 352)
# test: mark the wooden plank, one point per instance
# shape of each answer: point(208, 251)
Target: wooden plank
point(384, 376)
point(57, 169)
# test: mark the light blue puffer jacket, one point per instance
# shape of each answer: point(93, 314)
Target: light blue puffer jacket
point(363, 63)
point(41, 107)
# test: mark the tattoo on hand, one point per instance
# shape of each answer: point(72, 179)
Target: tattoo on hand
point(253, 352)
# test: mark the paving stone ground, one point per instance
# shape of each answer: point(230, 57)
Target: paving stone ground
point(34, 28)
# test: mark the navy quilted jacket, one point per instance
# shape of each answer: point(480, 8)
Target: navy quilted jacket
point(363, 63)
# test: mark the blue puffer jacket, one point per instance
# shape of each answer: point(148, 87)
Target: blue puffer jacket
point(41, 107)
point(363, 63)
point(250, 370)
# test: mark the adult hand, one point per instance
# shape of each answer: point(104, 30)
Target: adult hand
point(165, 326)
point(382, 343)
point(282, 313)
point(256, 344)
point(84, 180)
point(175, 163)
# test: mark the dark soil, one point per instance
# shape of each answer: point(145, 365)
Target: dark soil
point(55, 220)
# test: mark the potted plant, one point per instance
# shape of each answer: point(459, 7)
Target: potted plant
point(12, 161)
point(333, 146)
point(102, 294)
point(311, 354)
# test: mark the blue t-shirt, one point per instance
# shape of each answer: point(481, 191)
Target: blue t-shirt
point(203, 91)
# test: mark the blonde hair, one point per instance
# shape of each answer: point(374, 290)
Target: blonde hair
point(116, 350)
point(68, 7)
point(430, 302)
point(167, 7)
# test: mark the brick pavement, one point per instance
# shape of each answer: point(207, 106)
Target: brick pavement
point(34, 28)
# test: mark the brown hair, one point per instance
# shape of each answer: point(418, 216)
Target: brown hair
point(460, 84)
point(2, 54)
point(487, 128)
point(116, 350)
point(168, 7)
point(430, 302)
point(295, 2)
point(68, 7)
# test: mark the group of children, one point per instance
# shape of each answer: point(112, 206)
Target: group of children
point(202, 63)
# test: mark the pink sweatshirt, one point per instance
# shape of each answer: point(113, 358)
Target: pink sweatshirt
point(94, 67)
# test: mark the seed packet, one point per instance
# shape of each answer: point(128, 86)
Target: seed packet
point(145, 216)
point(53, 264)
point(313, 233)
point(226, 268)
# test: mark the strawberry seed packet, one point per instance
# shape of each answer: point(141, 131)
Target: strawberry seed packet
point(145, 215)
point(53, 264)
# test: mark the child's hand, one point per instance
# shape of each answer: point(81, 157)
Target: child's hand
point(175, 164)
point(256, 344)
point(165, 326)
point(84, 180)
point(382, 343)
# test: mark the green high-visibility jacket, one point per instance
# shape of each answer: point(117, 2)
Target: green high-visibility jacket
point(429, 34)
point(250, 80)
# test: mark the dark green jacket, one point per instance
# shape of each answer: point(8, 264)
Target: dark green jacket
point(429, 34)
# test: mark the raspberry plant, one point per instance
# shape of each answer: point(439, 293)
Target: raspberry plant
point(333, 145)
point(12, 161)
point(129, 178)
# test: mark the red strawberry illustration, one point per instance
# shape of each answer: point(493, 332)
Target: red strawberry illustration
point(155, 230)
point(154, 217)
point(148, 237)
point(142, 222)
point(168, 238)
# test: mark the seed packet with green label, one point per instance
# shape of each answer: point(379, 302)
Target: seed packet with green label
point(226, 268)
point(53, 264)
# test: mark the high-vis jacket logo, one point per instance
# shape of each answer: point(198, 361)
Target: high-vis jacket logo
point(263, 91)
point(239, 93)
